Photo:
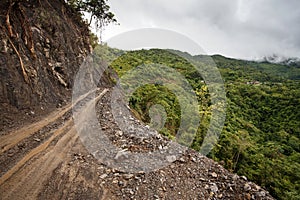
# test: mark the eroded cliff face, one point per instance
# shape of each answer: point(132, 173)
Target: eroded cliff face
point(42, 45)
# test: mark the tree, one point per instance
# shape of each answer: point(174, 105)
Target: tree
point(98, 9)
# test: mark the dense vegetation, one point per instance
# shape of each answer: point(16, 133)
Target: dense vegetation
point(261, 135)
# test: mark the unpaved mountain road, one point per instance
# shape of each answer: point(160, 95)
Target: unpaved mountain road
point(28, 160)
point(12, 138)
point(47, 160)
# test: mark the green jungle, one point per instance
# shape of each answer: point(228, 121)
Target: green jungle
point(260, 138)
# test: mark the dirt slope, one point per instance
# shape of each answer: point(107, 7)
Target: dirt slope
point(42, 44)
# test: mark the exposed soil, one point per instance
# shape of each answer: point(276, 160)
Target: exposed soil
point(42, 44)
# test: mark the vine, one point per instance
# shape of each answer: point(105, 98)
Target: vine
point(26, 36)
point(25, 76)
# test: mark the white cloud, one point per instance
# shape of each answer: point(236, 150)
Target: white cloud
point(237, 28)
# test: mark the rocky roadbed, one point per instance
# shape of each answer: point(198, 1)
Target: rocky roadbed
point(53, 163)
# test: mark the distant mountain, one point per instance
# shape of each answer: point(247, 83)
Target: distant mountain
point(274, 69)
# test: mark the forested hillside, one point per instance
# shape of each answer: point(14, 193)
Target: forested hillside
point(261, 135)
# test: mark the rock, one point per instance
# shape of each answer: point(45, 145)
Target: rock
point(214, 175)
point(131, 191)
point(10, 153)
point(235, 177)
point(262, 194)
point(257, 187)
point(193, 159)
point(247, 187)
point(47, 53)
point(103, 176)
point(244, 177)
point(115, 181)
point(121, 154)
point(121, 183)
point(5, 48)
point(171, 158)
point(119, 133)
point(128, 176)
point(214, 188)
point(248, 196)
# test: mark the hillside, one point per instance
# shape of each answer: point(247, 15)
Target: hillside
point(261, 136)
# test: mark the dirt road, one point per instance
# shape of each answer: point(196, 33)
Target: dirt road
point(31, 154)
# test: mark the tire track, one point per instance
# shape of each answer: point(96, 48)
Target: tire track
point(26, 178)
point(13, 138)
point(34, 152)
point(28, 181)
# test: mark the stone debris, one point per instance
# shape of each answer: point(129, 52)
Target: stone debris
point(188, 176)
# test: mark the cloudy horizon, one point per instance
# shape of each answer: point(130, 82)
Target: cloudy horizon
point(239, 28)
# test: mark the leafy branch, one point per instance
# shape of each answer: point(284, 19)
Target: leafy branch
point(98, 9)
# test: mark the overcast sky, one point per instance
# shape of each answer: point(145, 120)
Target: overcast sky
point(247, 29)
